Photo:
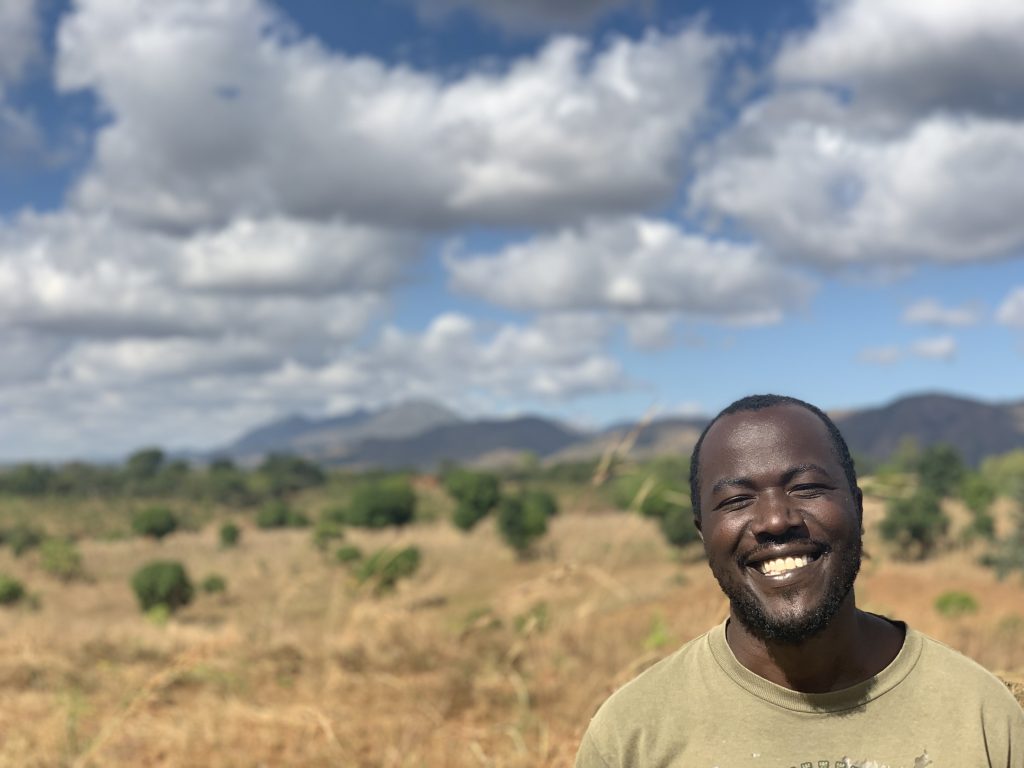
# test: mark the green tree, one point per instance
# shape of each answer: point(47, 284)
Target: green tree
point(678, 527)
point(230, 533)
point(1006, 474)
point(279, 514)
point(162, 582)
point(155, 522)
point(520, 525)
point(27, 480)
point(916, 525)
point(940, 470)
point(978, 494)
point(60, 558)
point(11, 590)
point(383, 502)
point(475, 494)
point(544, 502)
point(286, 474)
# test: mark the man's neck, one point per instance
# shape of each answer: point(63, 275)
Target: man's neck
point(852, 648)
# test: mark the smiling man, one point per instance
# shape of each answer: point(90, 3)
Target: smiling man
point(798, 676)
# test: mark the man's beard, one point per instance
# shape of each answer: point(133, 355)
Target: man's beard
point(793, 630)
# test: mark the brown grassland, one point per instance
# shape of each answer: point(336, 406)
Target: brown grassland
point(479, 660)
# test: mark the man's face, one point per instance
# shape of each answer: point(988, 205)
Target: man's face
point(781, 527)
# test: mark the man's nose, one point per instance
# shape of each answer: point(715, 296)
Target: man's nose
point(775, 515)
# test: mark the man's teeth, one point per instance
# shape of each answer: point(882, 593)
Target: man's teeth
point(783, 564)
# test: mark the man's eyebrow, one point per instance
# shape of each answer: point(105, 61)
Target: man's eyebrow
point(787, 477)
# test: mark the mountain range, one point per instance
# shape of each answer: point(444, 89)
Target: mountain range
point(422, 435)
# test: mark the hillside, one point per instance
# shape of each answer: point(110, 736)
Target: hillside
point(423, 434)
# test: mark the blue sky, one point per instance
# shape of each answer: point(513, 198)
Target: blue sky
point(214, 213)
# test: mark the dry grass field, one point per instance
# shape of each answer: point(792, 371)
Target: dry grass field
point(479, 660)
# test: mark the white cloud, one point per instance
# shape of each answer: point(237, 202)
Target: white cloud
point(801, 174)
point(937, 348)
point(931, 312)
point(20, 41)
point(909, 58)
point(1011, 311)
point(281, 256)
point(531, 15)
point(633, 265)
point(886, 355)
point(219, 109)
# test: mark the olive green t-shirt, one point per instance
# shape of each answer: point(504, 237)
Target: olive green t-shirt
point(701, 708)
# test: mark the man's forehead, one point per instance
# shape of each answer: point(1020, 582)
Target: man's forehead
point(749, 433)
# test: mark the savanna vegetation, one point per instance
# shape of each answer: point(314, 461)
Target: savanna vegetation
point(158, 613)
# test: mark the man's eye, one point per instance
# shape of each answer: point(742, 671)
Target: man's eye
point(733, 502)
point(809, 491)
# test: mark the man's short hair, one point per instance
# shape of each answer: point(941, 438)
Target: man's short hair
point(758, 403)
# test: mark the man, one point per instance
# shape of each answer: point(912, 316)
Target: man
point(798, 675)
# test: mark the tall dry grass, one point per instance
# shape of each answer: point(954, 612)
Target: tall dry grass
point(481, 660)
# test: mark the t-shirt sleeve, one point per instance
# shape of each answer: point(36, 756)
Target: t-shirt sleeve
point(588, 755)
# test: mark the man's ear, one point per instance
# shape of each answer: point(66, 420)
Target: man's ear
point(696, 524)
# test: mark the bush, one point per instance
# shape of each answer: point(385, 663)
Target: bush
point(476, 494)
point(520, 525)
point(543, 501)
point(380, 503)
point(11, 590)
point(229, 535)
point(162, 582)
point(954, 604)
point(21, 538)
point(214, 583)
point(385, 568)
point(61, 558)
point(678, 527)
point(325, 533)
point(286, 474)
point(348, 554)
point(155, 522)
point(940, 469)
point(915, 525)
point(278, 514)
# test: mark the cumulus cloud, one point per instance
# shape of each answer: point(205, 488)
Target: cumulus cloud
point(218, 110)
point(801, 174)
point(910, 58)
point(1011, 311)
point(931, 312)
point(942, 348)
point(531, 15)
point(937, 348)
point(885, 355)
point(633, 265)
point(123, 393)
point(20, 39)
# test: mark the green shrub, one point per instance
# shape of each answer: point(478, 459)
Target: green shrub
point(940, 469)
point(326, 532)
point(155, 522)
point(380, 503)
point(678, 527)
point(61, 558)
point(214, 583)
point(475, 493)
point(229, 535)
point(11, 590)
point(954, 604)
point(385, 567)
point(348, 554)
point(278, 514)
point(22, 537)
point(915, 525)
point(543, 502)
point(162, 582)
point(520, 525)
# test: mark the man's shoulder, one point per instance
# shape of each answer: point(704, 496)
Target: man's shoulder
point(671, 677)
point(960, 676)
